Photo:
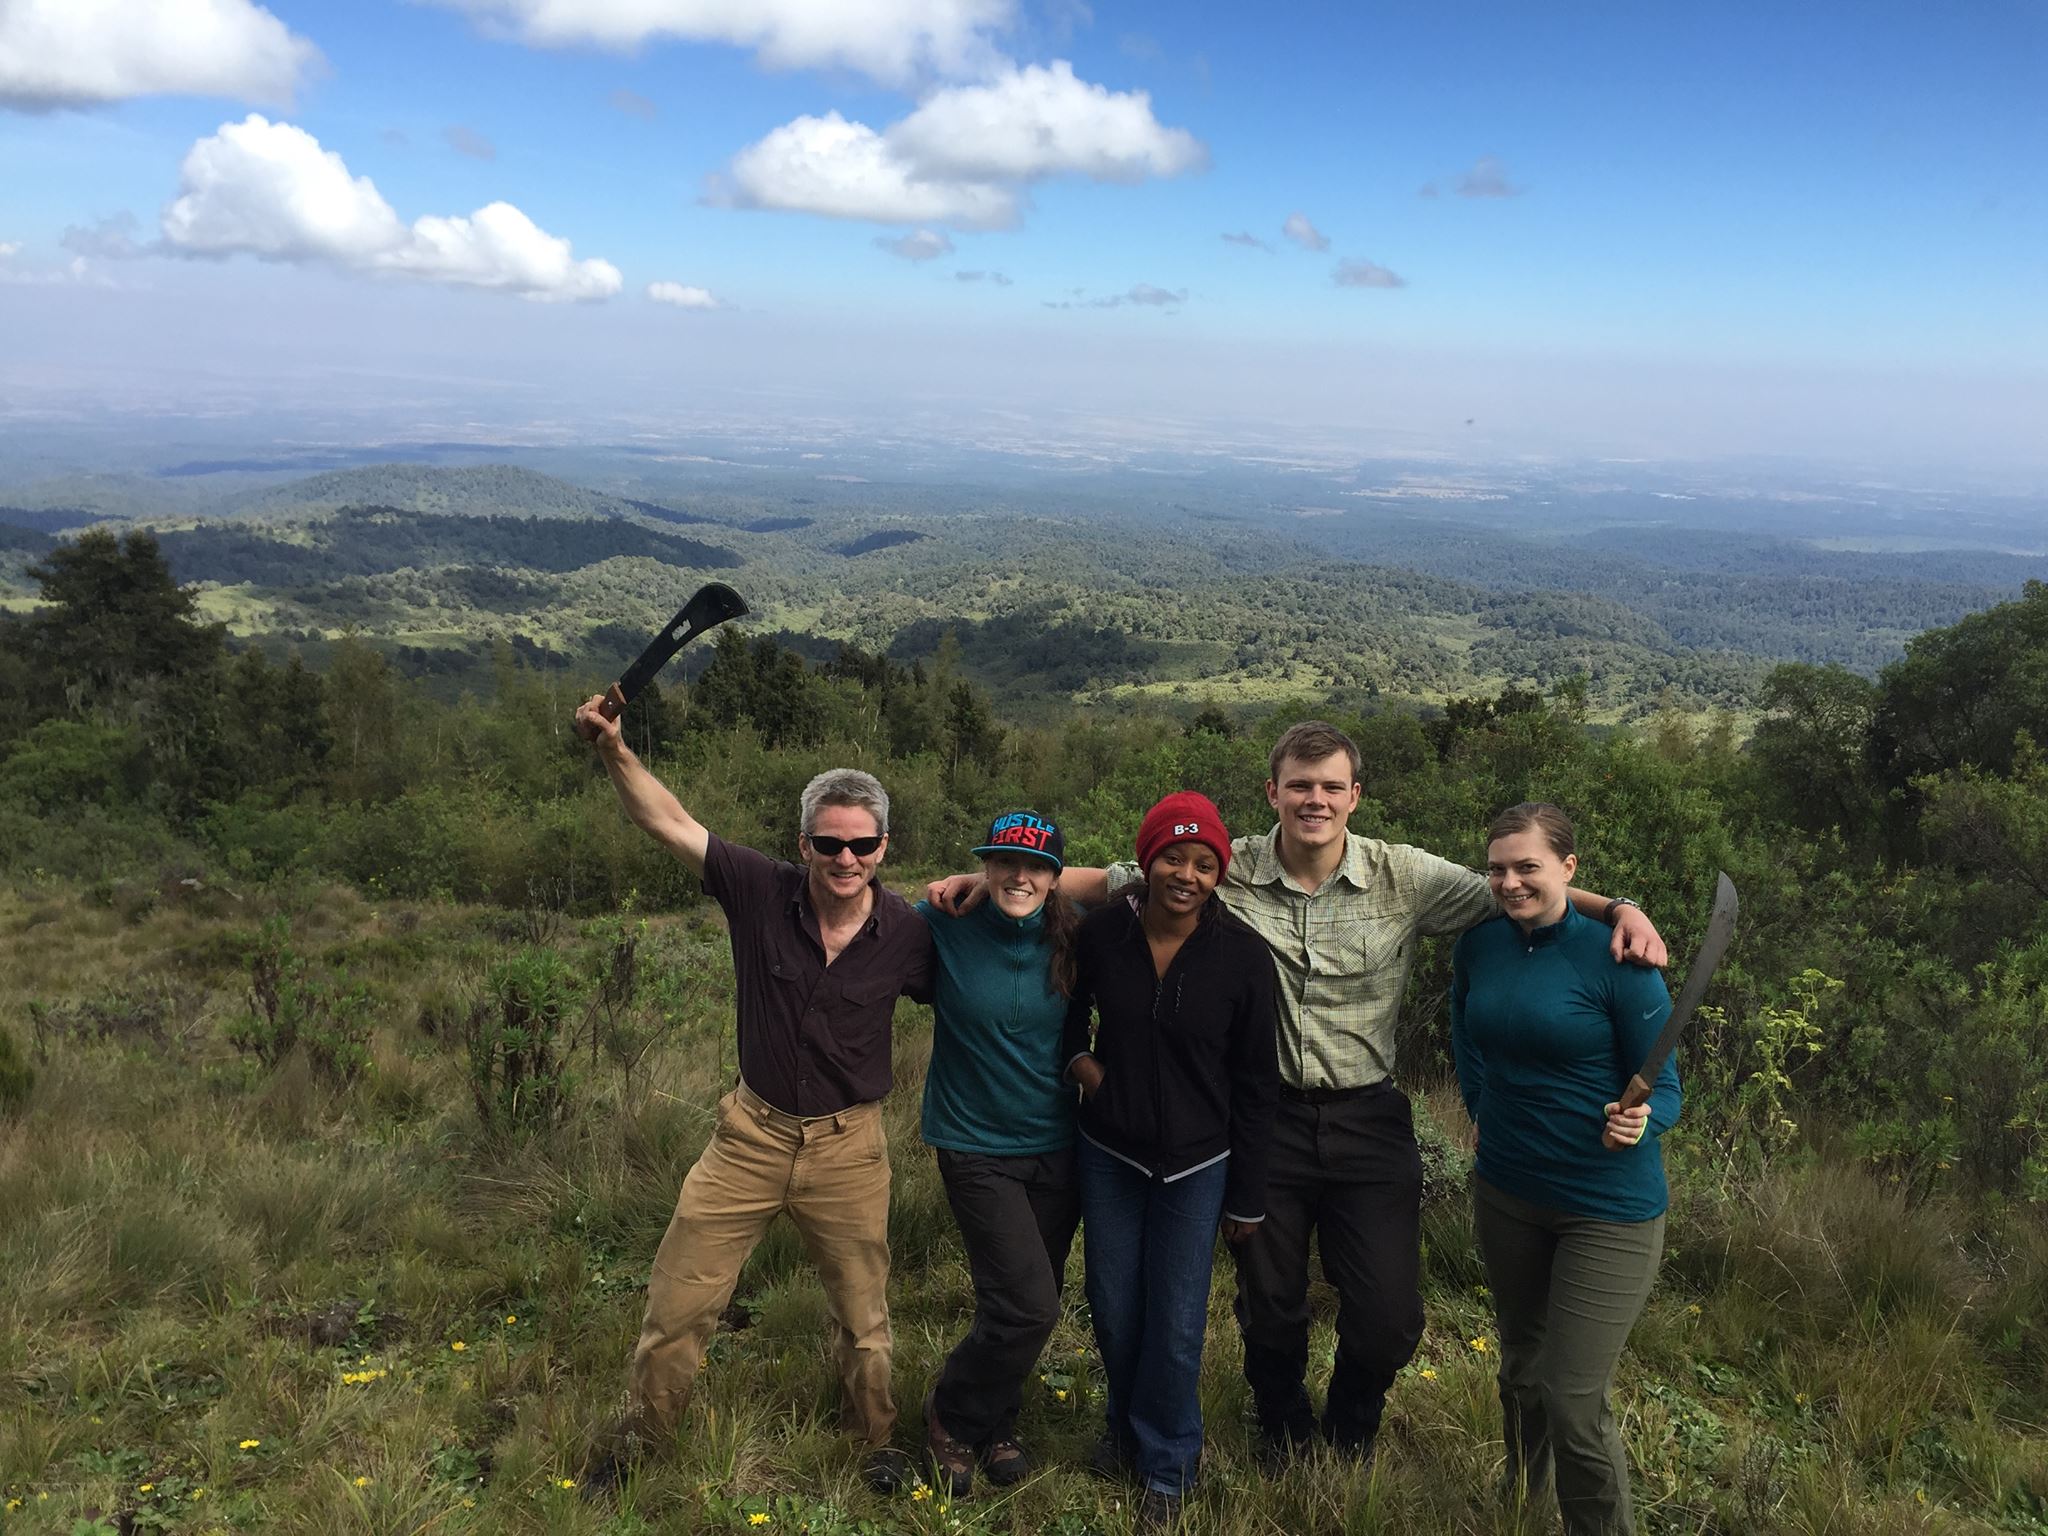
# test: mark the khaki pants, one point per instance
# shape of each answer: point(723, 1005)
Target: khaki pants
point(831, 1174)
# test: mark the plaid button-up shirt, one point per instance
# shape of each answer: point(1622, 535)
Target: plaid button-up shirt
point(1344, 950)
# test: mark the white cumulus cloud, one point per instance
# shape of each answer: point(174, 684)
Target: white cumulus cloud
point(1041, 121)
point(1304, 234)
point(845, 170)
point(964, 156)
point(8, 248)
point(80, 53)
point(893, 41)
point(269, 190)
point(682, 296)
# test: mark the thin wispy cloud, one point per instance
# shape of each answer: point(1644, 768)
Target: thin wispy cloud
point(467, 141)
point(919, 245)
point(1246, 238)
point(978, 276)
point(1145, 295)
point(1304, 234)
point(1488, 178)
point(109, 239)
point(1355, 273)
point(633, 104)
point(682, 296)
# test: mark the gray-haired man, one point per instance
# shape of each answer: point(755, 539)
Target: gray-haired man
point(820, 951)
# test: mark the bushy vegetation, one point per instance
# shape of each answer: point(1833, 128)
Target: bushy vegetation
point(369, 1044)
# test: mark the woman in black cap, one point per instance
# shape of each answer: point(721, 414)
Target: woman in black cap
point(1001, 1117)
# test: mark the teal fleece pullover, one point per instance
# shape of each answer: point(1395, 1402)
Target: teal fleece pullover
point(996, 1084)
point(1547, 1029)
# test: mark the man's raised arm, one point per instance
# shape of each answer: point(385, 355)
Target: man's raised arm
point(647, 800)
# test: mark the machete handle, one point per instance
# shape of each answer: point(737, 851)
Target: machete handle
point(1634, 1096)
point(611, 706)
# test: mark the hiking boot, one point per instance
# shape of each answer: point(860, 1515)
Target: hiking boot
point(1158, 1511)
point(1006, 1462)
point(887, 1470)
point(1281, 1438)
point(952, 1460)
point(1360, 1449)
point(1110, 1458)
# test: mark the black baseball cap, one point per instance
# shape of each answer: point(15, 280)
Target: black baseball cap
point(1026, 832)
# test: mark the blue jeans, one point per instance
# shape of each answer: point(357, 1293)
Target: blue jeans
point(1150, 1250)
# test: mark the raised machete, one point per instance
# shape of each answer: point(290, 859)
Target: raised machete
point(709, 606)
point(1720, 930)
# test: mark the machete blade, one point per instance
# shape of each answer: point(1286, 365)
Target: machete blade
point(709, 606)
point(1720, 932)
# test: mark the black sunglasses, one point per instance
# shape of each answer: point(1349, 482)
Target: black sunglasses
point(830, 846)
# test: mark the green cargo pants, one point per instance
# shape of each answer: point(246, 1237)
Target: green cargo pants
point(1567, 1289)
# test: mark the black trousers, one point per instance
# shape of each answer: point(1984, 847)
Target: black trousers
point(1017, 1217)
point(1349, 1172)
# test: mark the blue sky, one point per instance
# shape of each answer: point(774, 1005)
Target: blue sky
point(1730, 199)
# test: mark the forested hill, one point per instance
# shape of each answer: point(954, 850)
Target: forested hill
point(464, 492)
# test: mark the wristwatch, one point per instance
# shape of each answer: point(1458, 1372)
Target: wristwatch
point(1618, 903)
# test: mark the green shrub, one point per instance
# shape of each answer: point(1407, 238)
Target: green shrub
point(520, 1036)
point(290, 1007)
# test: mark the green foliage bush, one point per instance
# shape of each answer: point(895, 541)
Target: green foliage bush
point(519, 1036)
point(293, 1008)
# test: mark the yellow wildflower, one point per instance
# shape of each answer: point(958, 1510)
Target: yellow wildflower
point(468, 1502)
point(511, 1317)
point(1060, 1393)
point(144, 1487)
point(249, 1445)
point(1429, 1373)
point(1693, 1310)
point(757, 1518)
point(920, 1493)
point(362, 1482)
point(1799, 1399)
point(13, 1504)
point(1479, 1345)
point(567, 1482)
point(198, 1494)
point(458, 1346)
point(43, 1497)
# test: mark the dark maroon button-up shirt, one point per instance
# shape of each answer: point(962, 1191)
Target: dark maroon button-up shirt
point(814, 1039)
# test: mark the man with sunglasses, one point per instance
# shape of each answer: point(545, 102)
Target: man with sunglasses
point(820, 952)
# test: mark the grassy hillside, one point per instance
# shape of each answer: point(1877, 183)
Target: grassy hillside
point(242, 1298)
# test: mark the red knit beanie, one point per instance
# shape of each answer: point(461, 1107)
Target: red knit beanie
point(1184, 818)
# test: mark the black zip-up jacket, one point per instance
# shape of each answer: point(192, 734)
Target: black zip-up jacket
point(1189, 1063)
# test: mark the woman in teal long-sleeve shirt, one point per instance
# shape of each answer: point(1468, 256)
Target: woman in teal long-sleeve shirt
point(1568, 1188)
point(1000, 1114)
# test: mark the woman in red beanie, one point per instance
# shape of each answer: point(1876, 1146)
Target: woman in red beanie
point(1178, 1095)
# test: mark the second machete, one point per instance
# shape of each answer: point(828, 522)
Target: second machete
point(1720, 930)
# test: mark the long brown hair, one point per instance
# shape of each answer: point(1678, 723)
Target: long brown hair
point(1062, 922)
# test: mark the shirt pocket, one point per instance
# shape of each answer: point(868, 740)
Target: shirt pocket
point(1362, 942)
